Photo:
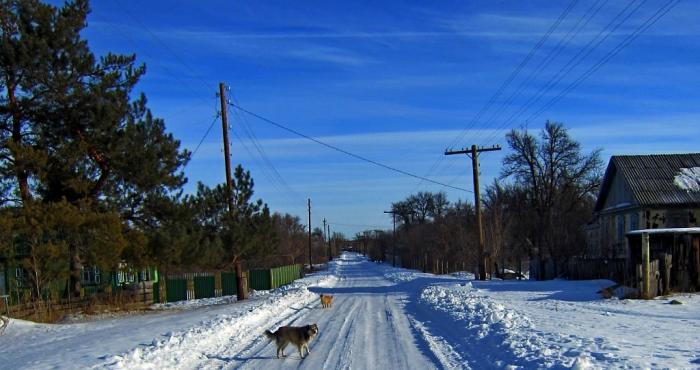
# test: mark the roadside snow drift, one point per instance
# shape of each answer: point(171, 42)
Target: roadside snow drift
point(226, 333)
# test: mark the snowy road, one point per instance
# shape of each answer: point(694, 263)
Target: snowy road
point(367, 328)
point(382, 318)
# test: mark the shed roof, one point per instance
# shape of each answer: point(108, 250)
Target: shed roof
point(651, 179)
point(675, 230)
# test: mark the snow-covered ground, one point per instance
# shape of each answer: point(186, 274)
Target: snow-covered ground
point(382, 318)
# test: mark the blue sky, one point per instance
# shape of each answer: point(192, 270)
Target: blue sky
point(398, 82)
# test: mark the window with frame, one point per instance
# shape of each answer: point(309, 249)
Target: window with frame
point(145, 275)
point(21, 277)
point(90, 275)
point(634, 221)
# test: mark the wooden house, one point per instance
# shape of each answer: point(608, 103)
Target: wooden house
point(643, 192)
point(645, 230)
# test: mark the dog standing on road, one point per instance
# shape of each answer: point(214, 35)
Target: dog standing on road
point(300, 336)
point(326, 300)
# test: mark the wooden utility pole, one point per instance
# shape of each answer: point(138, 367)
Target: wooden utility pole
point(311, 266)
point(241, 294)
point(330, 252)
point(324, 235)
point(393, 254)
point(474, 154)
point(227, 154)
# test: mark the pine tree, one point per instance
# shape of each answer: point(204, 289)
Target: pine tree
point(68, 129)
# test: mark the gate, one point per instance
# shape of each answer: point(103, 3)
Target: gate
point(228, 283)
point(204, 286)
point(175, 289)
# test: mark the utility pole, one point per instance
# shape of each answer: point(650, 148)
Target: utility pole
point(393, 254)
point(311, 266)
point(240, 287)
point(474, 154)
point(330, 252)
point(325, 235)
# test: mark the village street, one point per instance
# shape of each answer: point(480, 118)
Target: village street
point(381, 317)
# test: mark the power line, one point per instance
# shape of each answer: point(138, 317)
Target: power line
point(264, 163)
point(264, 169)
point(356, 156)
point(204, 136)
point(247, 128)
point(155, 37)
point(626, 42)
point(175, 76)
point(514, 73)
point(548, 59)
point(579, 57)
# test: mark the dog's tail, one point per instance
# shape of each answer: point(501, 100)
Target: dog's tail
point(270, 335)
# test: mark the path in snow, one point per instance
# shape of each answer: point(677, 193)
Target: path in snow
point(382, 318)
point(367, 328)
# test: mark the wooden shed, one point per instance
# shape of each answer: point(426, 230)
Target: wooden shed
point(665, 260)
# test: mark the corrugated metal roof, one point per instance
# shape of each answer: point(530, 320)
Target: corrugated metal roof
point(651, 178)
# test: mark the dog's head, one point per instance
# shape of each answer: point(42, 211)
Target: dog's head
point(312, 330)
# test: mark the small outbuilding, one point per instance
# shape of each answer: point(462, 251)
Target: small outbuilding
point(665, 260)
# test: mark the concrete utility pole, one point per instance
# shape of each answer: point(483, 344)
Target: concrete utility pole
point(240, 287)
point(474, 154)
point(311, 266)
point(393, 254)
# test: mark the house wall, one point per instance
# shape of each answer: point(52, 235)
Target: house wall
point(619, 195)
point(608, 239)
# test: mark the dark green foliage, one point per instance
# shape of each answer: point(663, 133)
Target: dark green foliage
point(79, 161)
point(46, 236)
point(217, 237)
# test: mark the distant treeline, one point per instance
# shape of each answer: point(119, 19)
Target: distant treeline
point(535, 211)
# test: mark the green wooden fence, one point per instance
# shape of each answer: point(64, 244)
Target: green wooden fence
point(204, 287)
point(228, 283)
point(264, 279)
point(175, 289)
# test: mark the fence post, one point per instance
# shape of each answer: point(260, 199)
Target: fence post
point(190, 286)
point(666, 273)
point(162, 289)
point(218, 287)
point(645, 267)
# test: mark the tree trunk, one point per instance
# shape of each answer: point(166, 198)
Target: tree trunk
point(241, 292)
point(15, 149)
point(76, 267)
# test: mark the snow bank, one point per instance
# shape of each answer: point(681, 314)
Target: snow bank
point(194, 303)
point(464, 275)
point(505, 337)
point(401, 276)
point(226, 333)
point(688, 179)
